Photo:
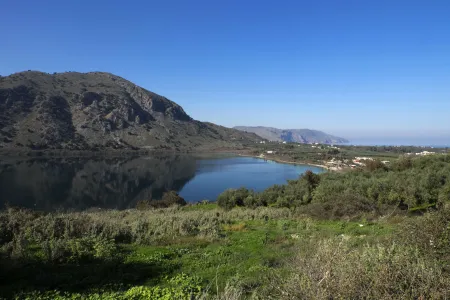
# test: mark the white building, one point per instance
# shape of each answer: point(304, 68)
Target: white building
point(424, 153)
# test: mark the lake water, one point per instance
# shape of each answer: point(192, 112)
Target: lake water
point(81, 183)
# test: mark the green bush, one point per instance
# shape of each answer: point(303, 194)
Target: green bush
point(270, 195)
point(344, 206)
point(332, 269)
point(430, 234)
point(181, 287)
point(79, 250)
point(233, 197)
point(374, 165)
point(418, 182)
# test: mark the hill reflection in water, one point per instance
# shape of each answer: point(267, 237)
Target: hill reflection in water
point(119, 183)
point(80, 183)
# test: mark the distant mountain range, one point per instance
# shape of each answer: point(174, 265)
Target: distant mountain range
point(99, 111)
point(293, 135)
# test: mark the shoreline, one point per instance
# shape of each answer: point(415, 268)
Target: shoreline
point(285, 161)
point(133, 153)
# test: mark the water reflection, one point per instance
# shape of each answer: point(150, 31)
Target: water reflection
point(80, 183)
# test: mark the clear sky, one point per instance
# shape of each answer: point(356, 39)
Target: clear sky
point(353, 68)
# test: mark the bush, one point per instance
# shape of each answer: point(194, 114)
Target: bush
point(344, 206)
point(79, 250)
point(373, 165)
point(252, 201)
point(402, 164)
point(430, 233)
point(270, 195)
point(233, 197)
point(181, 287)
point(417, 183)
point(332, 269)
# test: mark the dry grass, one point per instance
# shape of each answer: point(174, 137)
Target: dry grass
point(333, 269)
point(235, 227)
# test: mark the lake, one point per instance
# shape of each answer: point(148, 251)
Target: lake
point(80, 183)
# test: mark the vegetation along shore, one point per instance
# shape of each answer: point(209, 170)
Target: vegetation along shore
point(378, 232)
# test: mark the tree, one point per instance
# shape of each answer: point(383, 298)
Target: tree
point(233, 197)
point(373, 165)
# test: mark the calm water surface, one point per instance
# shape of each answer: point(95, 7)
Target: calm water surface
point(80, 183)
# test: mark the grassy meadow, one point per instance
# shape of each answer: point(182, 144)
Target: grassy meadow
point(245, 247)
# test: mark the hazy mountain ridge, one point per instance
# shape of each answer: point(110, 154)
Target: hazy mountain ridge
point(85, 111)
point(293, 135)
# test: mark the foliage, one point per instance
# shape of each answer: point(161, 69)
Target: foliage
point(374, 165)
point(181, 287)
point(321, 236)
point(407, 183)
point(235, 197)
point(335, 269)
point(261, 253)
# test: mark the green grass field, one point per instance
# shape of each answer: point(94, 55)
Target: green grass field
point(198, 252)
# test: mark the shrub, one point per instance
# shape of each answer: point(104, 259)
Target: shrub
point(78, 250)
point(444, 193)
point(401, 164)
point(373, 165)
point(430, 233)
point(332, 269)
point(181, 287)
point(270, 195)
point(233, 197)
point(252, 201)
point(345, 205)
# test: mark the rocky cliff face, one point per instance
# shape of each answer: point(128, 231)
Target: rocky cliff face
point(87, 111)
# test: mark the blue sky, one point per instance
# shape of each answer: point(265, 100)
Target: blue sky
point(362, 68)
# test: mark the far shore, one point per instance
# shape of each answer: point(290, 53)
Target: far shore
point(20, 153)
point(284, 161)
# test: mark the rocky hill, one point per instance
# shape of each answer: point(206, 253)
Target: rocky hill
point(99, 111)
point(293, 135)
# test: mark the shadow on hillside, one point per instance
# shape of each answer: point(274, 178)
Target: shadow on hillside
point(28, 275)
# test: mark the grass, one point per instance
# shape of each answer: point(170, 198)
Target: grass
point(206, 206)
point(203, 252)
